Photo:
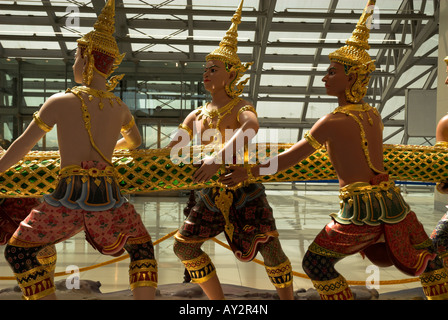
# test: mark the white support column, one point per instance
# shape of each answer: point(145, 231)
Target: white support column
point(441, 200)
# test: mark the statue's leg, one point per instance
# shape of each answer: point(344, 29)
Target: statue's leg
point(36, 280)
point(435, 278)
point(278, 268)
point(200, 267)
point(142, 270)
point(328, 282)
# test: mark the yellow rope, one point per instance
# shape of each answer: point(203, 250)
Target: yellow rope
point(169, 235)
point(301, 275)
point(124, 257)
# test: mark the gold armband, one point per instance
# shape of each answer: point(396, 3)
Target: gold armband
point(45, 127)
point(312, 141)
point(246, 108)
point(128, 126)
point(441, 144)
point(186, 128)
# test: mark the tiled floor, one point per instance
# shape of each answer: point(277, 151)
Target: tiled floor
point(300, 215)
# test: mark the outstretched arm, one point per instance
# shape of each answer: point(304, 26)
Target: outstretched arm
point(299, 151)
point(42, 123)
point(242, 137)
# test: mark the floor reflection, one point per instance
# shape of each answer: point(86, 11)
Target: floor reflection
point(300, 215)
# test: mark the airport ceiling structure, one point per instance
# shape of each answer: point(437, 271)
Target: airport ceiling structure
point(166, 42)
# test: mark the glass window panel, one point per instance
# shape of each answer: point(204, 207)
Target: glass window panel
point(393, 104)
point(277, 135)
point(33, 101)
point(411, 74)
point(288, 51)
point(395, 139)
point(283, 80)
point(272, 109)
point(7, 128)
point(317, 110)
point(159, 47)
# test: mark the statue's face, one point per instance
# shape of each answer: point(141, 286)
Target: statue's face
point(78, 67)
point(215, 76)
point(336, 81)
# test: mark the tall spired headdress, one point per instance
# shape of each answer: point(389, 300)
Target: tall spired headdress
point(355, 58)
point(100, 48)
point(227, 53)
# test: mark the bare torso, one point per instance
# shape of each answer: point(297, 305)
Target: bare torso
point(73, 139)
point(227, 126)
point(345, 149)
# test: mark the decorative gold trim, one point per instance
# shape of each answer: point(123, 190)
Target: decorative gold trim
point(201, 268)
point(317, 249)
point(204, 113)
point(312, 141)
point(47, 256)
point(223, 202)
point(441, 144)
point(334, 289)
point(281, 275)
point(92, 172)
point(35, 283)
point(143, 273)
point(45, 127)
point(435, 284)
point(360, 188)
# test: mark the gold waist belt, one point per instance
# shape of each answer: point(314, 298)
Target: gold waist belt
point(91, 172)
point(360, 188)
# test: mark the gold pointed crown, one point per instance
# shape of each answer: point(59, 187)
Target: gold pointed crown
point(446, 60)
point(101, 47)
point(101, 39)
point(354, 53)
point(227, 50)
point(227, 53)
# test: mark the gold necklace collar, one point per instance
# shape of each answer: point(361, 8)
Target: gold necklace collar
point(218, 112)
point(353, 107)
point(101, 94)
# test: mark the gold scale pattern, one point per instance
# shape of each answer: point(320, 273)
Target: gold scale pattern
point(151, 170)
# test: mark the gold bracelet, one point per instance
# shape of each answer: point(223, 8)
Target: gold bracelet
point(45, 127)
point(312, 141)
point(128, 126)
